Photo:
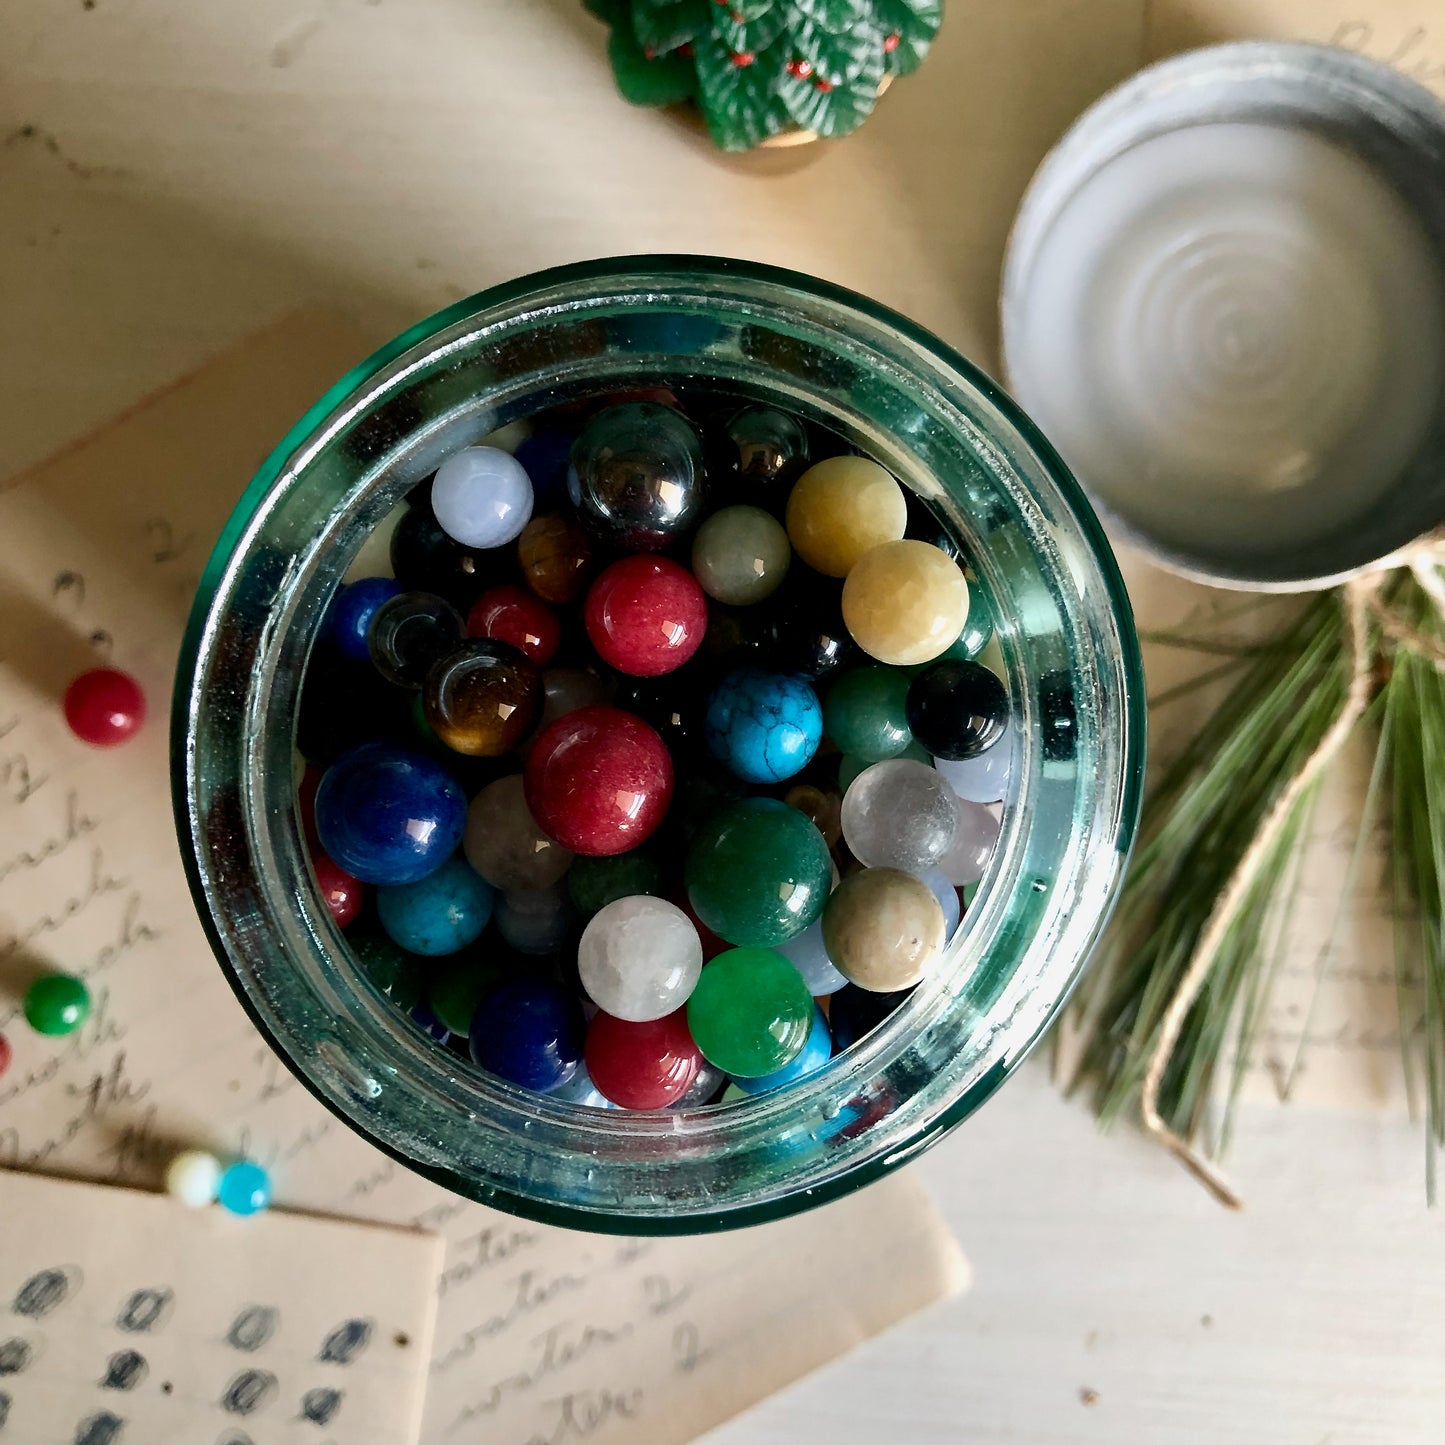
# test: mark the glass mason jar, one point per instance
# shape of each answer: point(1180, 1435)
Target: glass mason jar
point(890, 389)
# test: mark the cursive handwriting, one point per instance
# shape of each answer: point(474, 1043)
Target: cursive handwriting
point(1412, 49)
point(77, 824)
point(479, 1251)
point(109, 1088)
point(98, 1030)
point(581, 1413)
point(98, 883)
point(554, 1350)
point(529, 1292)
point(17, 782)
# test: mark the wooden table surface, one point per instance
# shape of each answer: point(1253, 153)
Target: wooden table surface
point(173, 174)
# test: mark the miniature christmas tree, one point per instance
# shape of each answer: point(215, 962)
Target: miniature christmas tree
point(758, 67)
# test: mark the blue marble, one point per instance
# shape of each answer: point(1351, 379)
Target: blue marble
point(544, 455)
point(765, 726)
point(816, 1052)
point(352, 609)
point(438, 914)
point(389, 815)
point(245, 1188)
point(806, 952)
point(529, 1032)
point(947, 896)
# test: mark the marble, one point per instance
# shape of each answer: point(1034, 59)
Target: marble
point(389, 815)
point(946, 892)
point(758, 873)
point(56, 1004)
point(409, 634)
point(983, 779)
point(675, 705)
point(957, 709)
point(425, 559)
point(482, 497)
point(398, 974)
point(853, 1013)
point(599, 781)
point(536, 921)
point(849, 765)
point(244, 1188)
point(513, 615)
point(771, 451)
point(900, 814)
point(967, 859)
point(750, 1014)
point(815, 1053)
point(905, 602)
point(483, 698)
point(348, 619)
point(456, 987)
point(639, 958)
point(841, 508)
point(637, 476)
point(581, 1091)
point(104, 707)
point(439, 914)
point(809, 955)
point(645, 616)
point(763, 726)
point(596, 882)
point(545, 454)
point(882, 928)
point(342, 894)
point(740, 555)
point(504, 843)
point(565, 689)
point(193, 1178)
point(823, 809)
point(805, 633)
point(555, 555)
point(529, 1032)
point(865, 712)
point(646, 1064)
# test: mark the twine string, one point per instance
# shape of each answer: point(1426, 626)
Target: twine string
point(1362, 602)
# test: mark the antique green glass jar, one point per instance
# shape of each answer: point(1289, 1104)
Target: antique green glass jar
point(1070, 655)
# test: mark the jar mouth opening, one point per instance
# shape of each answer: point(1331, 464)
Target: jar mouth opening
point(902, 397)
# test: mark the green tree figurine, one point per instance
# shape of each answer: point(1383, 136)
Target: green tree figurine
point(755, 68)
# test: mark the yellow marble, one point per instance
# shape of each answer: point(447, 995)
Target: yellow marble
point(905, 602)
point(842, 508)
point(882, 929)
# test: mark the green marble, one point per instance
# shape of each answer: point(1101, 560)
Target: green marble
point(397, 973)
point(455, 989)
point(596, 882)
point(866, 713)
point(750, 1013)
point(758, 873)
point(56, 1004)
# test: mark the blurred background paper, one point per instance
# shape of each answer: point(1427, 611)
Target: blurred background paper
point(539, 1329)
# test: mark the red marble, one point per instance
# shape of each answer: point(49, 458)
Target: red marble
point(646, 615)
point(104, 707)
point(512, 614)
point(598, 780)
point(641, 1066)
point(342, 893)
point(6, 1054)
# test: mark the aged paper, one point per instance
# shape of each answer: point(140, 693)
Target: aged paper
point(128, 1317)
point(1408, 34)
point(543, 1335)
